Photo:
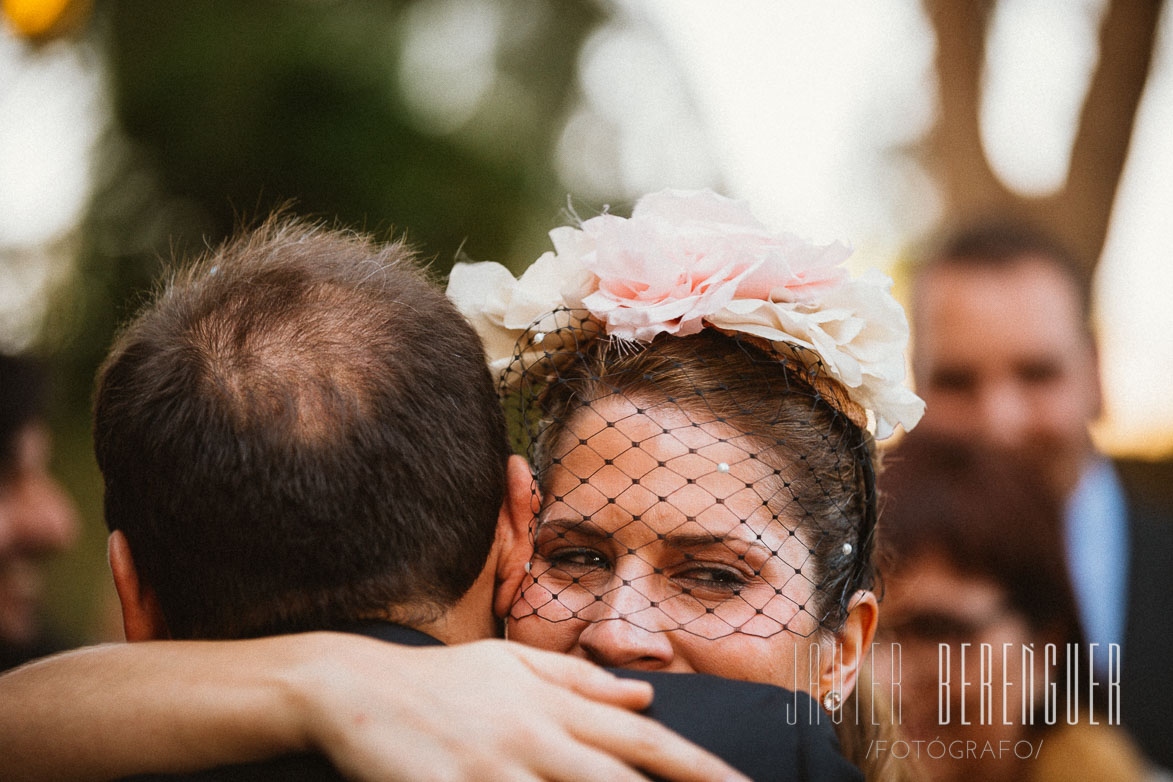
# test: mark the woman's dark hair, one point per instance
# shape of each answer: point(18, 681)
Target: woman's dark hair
point(987, 515)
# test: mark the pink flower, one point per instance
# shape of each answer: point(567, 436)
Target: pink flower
point(689, 259)
point(685, 255)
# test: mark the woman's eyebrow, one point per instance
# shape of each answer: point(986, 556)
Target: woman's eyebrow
point(581, 526)
point(694, 540)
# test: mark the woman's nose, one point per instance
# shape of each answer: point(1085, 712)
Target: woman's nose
point(627, 630)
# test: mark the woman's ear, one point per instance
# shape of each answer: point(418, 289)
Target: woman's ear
point(841, 668)
point(142, 617)
point(513, 532)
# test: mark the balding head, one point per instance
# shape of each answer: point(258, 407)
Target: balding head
point(300, 431)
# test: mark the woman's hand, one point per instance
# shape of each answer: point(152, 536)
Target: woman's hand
point(489, 710)
point(481, 711)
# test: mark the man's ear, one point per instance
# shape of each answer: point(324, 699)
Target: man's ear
point(513, 533)
point(142, 618)
point(839, 671)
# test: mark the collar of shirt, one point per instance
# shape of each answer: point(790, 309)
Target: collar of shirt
point(1096, 535)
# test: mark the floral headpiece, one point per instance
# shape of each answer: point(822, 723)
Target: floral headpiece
point(688, 260)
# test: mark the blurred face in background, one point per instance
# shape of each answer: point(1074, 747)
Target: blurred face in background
point(929, 602)
point(1002, 358)
point(37, 520)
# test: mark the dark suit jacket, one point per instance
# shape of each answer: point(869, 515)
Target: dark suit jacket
point(1146, 680)
point(765, 732)
point(746, 724)
point(19, 654)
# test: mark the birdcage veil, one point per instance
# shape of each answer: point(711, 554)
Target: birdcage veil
point(703, 455)
point(746, 497)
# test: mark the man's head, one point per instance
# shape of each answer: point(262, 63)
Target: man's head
point(299, 431)
point(1003, 349)
point(37, 519)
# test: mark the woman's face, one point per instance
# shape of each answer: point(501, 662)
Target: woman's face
point(656, 549)
point(931, 603)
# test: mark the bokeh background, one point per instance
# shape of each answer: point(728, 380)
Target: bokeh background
point(134, 131)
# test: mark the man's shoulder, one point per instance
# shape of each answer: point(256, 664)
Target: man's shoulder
point(766, 732)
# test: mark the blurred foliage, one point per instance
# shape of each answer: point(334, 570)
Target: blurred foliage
point(226, 109)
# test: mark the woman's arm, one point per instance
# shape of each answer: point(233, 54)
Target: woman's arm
point(486, 710)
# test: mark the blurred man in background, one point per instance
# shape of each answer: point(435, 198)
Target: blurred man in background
point(1004, 356)
point(37, 519)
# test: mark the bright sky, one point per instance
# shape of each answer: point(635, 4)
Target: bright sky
point(795, 106)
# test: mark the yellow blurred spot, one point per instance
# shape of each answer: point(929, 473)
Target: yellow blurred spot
point(38, 19)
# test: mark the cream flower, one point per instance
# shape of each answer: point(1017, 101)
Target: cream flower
point(502, 309)
point(686, 259)
point(859, 333)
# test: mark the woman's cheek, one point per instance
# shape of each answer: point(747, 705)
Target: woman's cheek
point(537, 632)
point(781, 659)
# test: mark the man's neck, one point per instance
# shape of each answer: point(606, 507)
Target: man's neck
point(468, 619)
point(453, 627)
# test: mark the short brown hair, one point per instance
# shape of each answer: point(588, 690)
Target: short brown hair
point(984, 512)
point(1003, 242)
point(300, 431)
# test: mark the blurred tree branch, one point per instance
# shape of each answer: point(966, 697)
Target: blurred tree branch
point(1079, 212)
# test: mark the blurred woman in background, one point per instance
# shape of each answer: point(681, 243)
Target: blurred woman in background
point(973, 557)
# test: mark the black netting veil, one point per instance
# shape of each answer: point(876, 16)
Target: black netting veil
point(703, 483)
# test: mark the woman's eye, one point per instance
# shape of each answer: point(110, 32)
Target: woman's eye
point(712, 578)
point(577, 558)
